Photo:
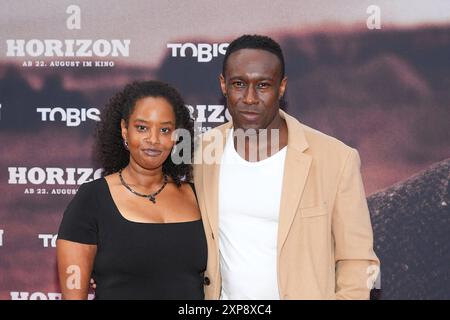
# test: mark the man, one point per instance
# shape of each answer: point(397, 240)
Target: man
point(284, 208)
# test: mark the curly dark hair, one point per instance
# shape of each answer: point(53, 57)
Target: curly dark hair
point(109, 148)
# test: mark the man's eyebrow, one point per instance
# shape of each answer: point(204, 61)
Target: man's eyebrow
point(264, 77)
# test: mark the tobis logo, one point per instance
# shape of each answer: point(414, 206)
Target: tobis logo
point(71, 116)
point(204, 52)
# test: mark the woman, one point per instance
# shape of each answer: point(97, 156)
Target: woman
point(137, 230)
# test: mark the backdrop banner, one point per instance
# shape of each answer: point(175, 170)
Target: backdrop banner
point(374, 74)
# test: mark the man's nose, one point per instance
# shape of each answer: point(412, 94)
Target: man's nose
point(250, 96)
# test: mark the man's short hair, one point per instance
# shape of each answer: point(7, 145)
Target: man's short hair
point(254, 42)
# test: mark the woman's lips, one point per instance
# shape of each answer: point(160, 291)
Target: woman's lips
point(152, 152)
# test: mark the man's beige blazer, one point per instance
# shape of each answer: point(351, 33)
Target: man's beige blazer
point(325, 238)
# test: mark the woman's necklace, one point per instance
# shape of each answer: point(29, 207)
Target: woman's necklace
point(151, 196)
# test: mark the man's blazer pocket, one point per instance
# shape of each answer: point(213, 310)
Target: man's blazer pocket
point(314, 211)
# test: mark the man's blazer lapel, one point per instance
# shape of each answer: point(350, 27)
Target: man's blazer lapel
point(296, 169)
point(211, 175)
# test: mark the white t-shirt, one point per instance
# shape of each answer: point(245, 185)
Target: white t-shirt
point(249, 204)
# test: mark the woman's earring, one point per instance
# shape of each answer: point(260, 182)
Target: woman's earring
point(125, 142)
